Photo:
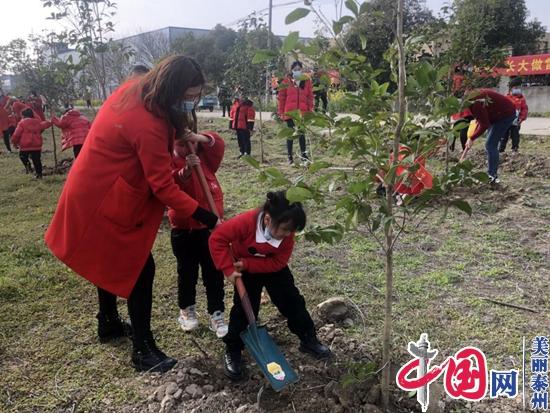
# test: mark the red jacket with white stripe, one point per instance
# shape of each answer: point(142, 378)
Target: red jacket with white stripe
point(521, 105)
point(293, 97)
point(28, 134)
point(74, 126)
point(235, 240)
point(211, 157)
point(244, 116)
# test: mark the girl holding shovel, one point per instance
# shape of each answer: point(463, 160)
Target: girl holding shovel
point(256, 246)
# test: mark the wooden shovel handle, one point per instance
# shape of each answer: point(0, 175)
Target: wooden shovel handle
point(238, 282)
point(464, 153)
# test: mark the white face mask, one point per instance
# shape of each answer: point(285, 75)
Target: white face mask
point(296, 74)
point(186, 106)
point(516, 91)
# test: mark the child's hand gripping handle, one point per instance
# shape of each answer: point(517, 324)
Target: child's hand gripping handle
point(238, 282)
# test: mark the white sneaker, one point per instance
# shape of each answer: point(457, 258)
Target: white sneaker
point(494, 180)
point(217, 324)
point(188, 318)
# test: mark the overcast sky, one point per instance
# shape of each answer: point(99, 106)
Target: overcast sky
point(23, 17)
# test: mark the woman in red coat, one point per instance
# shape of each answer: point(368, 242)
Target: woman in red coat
point(295, 93)
point(114, 199)
point(75, 127)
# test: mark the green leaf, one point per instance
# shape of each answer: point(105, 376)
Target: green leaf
point(251, 161)
point(317, 166)
point(364, 7)
point(277, 178)
point(290, 42)
point(462, 205)
point(337, 27)
point(298, 194)
point(351, 5)
point(296, 15)
point(263, 55)
point(363, 39)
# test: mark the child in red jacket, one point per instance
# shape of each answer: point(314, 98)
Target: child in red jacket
point(232, 110)
point(190, 238)
point(74, 127)
point(28, 138)
point(522, 111)
point(243, 123)
point(295, 93)
point(256, 246)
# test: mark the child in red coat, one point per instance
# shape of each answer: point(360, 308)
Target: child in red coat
point(522, 110)
point(28, 138)
point(232, 110)
point(256, 246)
point(75, 127)
point(190, 238)
point(243, 123)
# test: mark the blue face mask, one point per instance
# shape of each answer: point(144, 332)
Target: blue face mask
point(296, 74)
point(186, 106)
point(516, 91)
point(267, 233)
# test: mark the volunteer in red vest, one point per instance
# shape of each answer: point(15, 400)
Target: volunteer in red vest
point(295, 93)
point(522, 110)
point(114, 198)
point(74, 126)
point(496, 113)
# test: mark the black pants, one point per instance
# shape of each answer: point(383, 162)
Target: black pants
point(513, 133)
point(76, 150)
point(463, 134)
point(140, 302)
point(7, 135)
point(284, 295)
point(225, 107)
point(322, 96)
point(243, 139)
point(36, 161)
point(290, 142)
point(191, 250)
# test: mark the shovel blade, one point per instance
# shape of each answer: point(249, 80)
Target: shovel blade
point(269, 357)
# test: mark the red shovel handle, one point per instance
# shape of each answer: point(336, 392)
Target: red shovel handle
point(238, 282)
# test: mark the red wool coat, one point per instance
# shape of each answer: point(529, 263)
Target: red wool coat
point(521, 105)
point(490, 107)
point(113, 201)
point(74, 126)
point(235, 240)
point(211, 158)
point(28, 134)
point(293, 97)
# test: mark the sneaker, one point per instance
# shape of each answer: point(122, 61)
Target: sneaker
point(493, 180)
point(188, 318)
point(217, 324)
point(290, 161)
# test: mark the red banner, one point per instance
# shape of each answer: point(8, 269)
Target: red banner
point(526, 65)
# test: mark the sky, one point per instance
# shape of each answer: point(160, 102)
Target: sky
point(24, 17)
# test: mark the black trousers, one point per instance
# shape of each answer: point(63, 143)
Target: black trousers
point(513, 133)
point(36, 161)
point(290, 142)
point(321, 96)
point(463, 135)
point(191, 251)
point(284, 295)
point(76, 150)
point(7, 135)
point(225, 107)
point(243, 139)
point(140, 302)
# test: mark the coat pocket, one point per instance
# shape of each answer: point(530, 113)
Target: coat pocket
point(124, 205)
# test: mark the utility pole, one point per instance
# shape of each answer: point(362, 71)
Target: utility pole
point(268, 70)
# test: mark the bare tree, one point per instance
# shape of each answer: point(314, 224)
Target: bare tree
point(150, 47)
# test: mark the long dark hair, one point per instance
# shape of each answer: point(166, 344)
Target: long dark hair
point(161, 90)
point(282, 211)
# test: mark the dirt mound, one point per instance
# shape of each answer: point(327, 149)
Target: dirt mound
point(63, 167)
point(526, 165)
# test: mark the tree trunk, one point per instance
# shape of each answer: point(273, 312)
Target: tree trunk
point(261, 132)
point(389, 229)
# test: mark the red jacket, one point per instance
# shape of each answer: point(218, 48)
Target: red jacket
point(293, 97)
point(75, 127)
point(211, 158)
point(4, 119)
point(235, 240)
point(490, 107)
point(232, 111)
point(521, 105)
point(37, 106)
point(244, 117)
point(28, 134)
point(114, 197)
point(18, 107)
point(465, 114)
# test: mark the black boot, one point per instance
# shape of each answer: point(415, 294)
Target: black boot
point(309, 343)
point(233, 365)
point(112, 327)
point(147, 357)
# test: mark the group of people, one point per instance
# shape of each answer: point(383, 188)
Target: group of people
point(22, 122)
point(140, 157)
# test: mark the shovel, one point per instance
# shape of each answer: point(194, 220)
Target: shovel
point(268, 356)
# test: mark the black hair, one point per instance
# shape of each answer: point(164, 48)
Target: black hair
point(140, 70)
point(27, 113)
point(515, 82)
point(296, 63)
point(282, 211)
